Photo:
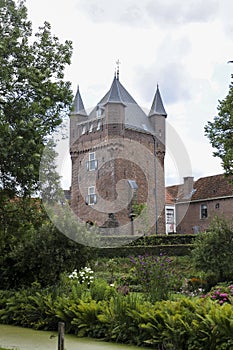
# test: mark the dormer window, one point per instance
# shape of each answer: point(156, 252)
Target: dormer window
point(91, 128)
point(84, 129)
point(98, 112)
point(98, 125)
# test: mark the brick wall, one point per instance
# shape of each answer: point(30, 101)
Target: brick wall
point(114, 169)
point(191, 214)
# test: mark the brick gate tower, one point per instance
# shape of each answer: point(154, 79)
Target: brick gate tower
point(117, 154)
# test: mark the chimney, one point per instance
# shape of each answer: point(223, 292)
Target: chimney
point(188, 186)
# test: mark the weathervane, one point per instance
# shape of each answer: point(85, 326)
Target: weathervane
point(118, 69)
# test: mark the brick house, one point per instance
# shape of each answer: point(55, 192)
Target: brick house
point(196, 203)
point(117, 153)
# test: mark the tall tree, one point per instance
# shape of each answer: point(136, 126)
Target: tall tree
point(33, 95)
point(220, 132)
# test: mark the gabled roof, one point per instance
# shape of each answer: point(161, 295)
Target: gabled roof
point(173, 193)
point(157, 107)
point(205, 188)
point(78, 106)
point(212, 187)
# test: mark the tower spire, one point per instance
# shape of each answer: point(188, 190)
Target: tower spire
point(157, 105)
point(78, 106)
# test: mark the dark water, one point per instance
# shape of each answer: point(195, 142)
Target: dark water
point(18, 338)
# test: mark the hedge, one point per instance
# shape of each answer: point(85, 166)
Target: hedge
point(125, 251)
point(124, 246)
point(152, 240)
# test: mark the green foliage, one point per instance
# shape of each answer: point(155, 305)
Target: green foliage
point(220, 132)
point(125, 251)
point(221, 294)
point(151, 240)
point(101, 290)
point(86, 318)
point(154, 276)
point(118, 317)
point(33, 96)
point(213, 251)
point(184, 323)
point(35, 250)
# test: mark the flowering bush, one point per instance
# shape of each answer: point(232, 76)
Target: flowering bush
point(154, 275)
point(83, 276)
point(222, 294)
point(193, 286)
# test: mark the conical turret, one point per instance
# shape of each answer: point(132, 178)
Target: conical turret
point(157, 107)
point(115, 108)
point(78, 106)
point(157, 117)
point(78, 115)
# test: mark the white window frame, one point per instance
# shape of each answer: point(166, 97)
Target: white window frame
point(84, 129)
point(91, 127)
point(98, 125)
point(98, 112)
point(91, 198)
point(203, 211)
point(170, 216)
point(92, 163)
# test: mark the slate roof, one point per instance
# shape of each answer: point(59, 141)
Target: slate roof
point(205, 188)
point(117, 94)
point(78, 106)
point(135, 117)
point(157, 107)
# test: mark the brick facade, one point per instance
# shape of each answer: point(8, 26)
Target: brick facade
point(197, 203)
point(107, 155)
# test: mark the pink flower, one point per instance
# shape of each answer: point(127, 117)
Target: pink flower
point(223, 295)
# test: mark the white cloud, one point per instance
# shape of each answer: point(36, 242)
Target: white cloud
point(180, 12)
point(182, 45)
point(135, 12)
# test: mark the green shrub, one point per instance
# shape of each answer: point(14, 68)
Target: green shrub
point(221, 294)
point(212, 251)
point(184, 323)
point(154, 276)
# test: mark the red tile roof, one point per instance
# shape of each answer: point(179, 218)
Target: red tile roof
point(209, 187)
point(212, 187)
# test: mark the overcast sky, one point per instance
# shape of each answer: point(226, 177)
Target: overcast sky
point(183, 46)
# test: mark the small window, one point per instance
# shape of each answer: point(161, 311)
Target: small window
point(98, 125)
point(84, 129)
point(170, 216)
point(204, 212)
point(98, 112)
point(92, 163)
point(91, 197)
point(217, 206)
point(91, 128)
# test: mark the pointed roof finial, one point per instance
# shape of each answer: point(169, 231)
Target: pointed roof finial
point(118, 69)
